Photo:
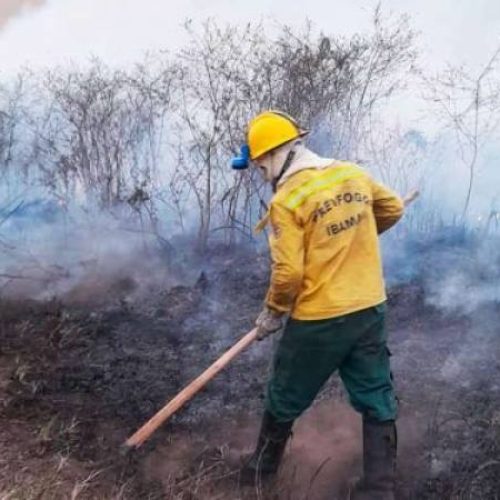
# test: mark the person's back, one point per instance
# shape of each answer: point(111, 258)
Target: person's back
point(330, 219)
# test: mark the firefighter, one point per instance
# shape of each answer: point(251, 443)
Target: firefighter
point(325, 217)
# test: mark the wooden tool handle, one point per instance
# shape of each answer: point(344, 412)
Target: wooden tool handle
point(411, 197)
point(189, 391)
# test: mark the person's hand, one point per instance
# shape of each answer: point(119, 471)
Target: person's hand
point(268, 322)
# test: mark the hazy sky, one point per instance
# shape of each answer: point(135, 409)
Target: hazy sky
point(120, 30)
point(47, 32)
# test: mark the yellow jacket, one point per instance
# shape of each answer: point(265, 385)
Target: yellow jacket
point(324, 241)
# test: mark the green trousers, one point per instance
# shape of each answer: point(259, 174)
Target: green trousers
point(309, 352)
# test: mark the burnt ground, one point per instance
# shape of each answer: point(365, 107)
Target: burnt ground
point(77, 377)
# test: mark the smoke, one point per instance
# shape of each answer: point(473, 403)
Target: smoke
point(13, 8)
point(458, 267)
point(83, 254)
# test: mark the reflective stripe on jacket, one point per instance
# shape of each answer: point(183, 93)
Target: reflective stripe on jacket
point(324, 242)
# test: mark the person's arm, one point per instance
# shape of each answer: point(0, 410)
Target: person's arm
point(388, 207)
point(287, 252)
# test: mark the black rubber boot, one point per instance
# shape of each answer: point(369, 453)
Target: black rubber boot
point(271, 445)
point(379, 462)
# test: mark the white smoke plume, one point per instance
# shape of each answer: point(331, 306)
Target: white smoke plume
point(12, 8)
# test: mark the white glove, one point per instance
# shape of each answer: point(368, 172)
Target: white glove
point(268, 322)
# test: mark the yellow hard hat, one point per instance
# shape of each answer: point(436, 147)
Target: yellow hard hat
point(270, 130)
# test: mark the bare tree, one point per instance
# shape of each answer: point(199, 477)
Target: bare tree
point(468, 103)
point(338, 83)
point(11, 124)
point(217, 98)
point(99, 135)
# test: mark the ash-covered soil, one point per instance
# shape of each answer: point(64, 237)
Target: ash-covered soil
point(76, 378)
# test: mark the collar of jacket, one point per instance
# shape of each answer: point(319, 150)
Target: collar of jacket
point(305, 159)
